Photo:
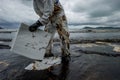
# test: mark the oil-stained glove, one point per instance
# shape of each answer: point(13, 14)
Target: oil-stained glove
point(35, 26)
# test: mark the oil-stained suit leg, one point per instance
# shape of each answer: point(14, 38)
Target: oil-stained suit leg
point(48, 52)
point(63, 32)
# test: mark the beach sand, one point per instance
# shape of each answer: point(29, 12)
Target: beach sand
point(83, 66)
point(93, 57)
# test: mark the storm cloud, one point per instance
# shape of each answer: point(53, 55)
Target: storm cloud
point(16, 11)
point(94, 13)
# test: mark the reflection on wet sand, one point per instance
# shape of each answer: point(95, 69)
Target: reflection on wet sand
point(48, 74)
point(64, 71)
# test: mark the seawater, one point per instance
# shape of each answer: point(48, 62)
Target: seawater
point(80, 36)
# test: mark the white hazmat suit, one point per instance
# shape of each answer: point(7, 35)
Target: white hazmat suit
point(51, 14)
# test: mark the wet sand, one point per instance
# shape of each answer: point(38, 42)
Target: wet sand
point(82, 66)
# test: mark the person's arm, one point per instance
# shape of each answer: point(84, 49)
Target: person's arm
point(36, 9)
point(48, 11)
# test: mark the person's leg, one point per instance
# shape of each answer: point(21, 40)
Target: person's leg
point(48, 52)
point(62, 29)
point(65, 46)
point(64, 41)
point(63, 32)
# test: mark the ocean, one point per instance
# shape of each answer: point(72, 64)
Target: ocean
point(76, 36)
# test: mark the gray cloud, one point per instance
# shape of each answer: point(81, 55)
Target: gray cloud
point(97, 7)
point(106, 12)
point(16, 11)
point(80, 12)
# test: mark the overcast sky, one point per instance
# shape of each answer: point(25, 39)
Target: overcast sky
point(94, 13)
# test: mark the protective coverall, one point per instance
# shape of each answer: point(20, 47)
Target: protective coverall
point(52, 16)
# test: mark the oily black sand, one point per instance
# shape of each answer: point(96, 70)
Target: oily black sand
point(83, 66)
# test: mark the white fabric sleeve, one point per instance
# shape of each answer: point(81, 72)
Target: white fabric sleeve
point(35, 7)
point(47, 11)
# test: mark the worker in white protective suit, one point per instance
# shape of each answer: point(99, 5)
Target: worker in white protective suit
point(52, 16)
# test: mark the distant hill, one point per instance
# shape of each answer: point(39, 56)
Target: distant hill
point(102, 28)
point(88, 28)
point(108, 28)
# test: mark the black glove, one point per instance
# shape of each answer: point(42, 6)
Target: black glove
point(35, 26)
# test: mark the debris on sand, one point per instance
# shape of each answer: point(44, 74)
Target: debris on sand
point(117, 49)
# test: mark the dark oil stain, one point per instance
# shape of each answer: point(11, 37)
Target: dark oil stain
point(33, 35)
point(42, 48)
point(46, 35)
point(27, 44)
point(99, 53)
point(33, 47)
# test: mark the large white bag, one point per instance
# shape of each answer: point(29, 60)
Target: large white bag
point(30, 44)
